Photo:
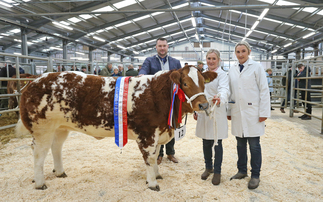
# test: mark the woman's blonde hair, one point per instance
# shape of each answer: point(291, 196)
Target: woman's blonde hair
point(243, 43)
point(216, 52)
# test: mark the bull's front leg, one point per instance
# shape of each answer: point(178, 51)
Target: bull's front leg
point(150, 154)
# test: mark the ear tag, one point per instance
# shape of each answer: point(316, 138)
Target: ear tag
point(207, 80)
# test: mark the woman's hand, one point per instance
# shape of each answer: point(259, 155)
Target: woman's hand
point(216, 99)
point(261, 119)
point(195, 116)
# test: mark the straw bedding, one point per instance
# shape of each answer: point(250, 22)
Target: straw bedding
point(292, 170)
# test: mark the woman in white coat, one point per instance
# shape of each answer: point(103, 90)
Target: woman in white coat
point(249, 107)
point(217, 127)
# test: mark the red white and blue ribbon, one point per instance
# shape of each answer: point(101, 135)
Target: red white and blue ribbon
point(181, 96)
point(120, 111)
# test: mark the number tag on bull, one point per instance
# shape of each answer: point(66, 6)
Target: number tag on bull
point(180, 132)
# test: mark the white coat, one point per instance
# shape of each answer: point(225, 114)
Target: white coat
point(205, 125)
point(250, 92)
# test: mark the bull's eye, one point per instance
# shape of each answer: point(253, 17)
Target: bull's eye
point(185, 84)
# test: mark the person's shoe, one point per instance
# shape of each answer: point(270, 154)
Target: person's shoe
point(159, 160)
point(216, 179)
point(172, 158)
point(253, 183)
point(272, 108)
point(302, 116)
point(238, 176)
point(206, 174)
point(282, 110)
point(306, 117)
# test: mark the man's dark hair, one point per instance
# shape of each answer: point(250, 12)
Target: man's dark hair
point(161, 39)
point(300, 65)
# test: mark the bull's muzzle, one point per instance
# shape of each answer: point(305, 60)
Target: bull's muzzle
point(204, 106)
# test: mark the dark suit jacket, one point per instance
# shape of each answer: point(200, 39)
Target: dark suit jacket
point(152, 65)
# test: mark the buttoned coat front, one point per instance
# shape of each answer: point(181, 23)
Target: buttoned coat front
point(152, 65)
point(250, 94)
point(205, 126)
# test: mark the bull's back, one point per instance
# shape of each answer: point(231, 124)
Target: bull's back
point(72, 99)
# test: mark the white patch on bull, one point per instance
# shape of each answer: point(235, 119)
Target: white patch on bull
point(160, 73)
point(143, 81)
point(194, 75)
point(83, 75)
point(42, 76)
point(106, 86)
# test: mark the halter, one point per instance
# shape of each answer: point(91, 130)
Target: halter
point(189, 100)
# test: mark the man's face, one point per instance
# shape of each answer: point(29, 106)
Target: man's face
point(109, 67)
point(120, 68)
point(200, 66)
point(301, 68)
point(162, 48)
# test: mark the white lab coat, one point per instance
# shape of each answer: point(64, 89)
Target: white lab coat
point(250, 92)
point(205, 125)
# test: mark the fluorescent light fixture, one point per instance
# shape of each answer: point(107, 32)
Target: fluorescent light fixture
point(201, 46)
point(197, 37)
point(193, 21)
point(80, 53)
point(244, 38)
point(248, 33)
point(56, 48)
point(5, 4)
point(262, 15)
point(141, 57)
point(15, 30)
point(17, 40)
point(98, 38)
point(74, 19)
point(180, 6)
point(17, 53)
point(287, 45)
point(135, 52)
point(63, 26)
point(104, 9)
point(64, 23)
point(86, 16)
point(121, 47)
point(84, 59)
point(104, 57)
point(177, 57)
point(75, 58)
point(123, 23)
point(255, 25)
point(141, 18)
point(274, 51)
point(308, 35)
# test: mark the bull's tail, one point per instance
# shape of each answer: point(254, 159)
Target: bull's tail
point(21, 130)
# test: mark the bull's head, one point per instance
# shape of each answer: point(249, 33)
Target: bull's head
point(191, 81)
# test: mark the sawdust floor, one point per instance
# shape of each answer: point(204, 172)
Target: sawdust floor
point(292, 170)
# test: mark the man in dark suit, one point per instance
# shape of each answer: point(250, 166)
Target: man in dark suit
point(156, 63)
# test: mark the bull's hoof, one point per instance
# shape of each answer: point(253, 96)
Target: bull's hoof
point(54, 170)
point(42, 187)
point(159, 177)
point(63, 175)
point(33, 181)
point(155, 188)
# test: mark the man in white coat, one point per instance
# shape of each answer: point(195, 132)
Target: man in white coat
point(216, 128)
point(249, 107)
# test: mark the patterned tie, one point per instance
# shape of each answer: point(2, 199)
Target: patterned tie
point(241, 67)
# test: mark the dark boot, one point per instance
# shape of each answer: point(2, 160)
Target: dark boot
point(238, 176)
point(206, 174)
point(216, 179)
point(253, 183)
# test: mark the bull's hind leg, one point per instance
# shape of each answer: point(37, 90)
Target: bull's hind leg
point(41, 145)
point(150, 153)
point(59, 138)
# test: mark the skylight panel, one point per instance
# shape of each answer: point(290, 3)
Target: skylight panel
point(64, 23)
point(85, 16)
point(158, 28)
point(310, 9)
point(15, 31)
point(74, 19)
point(141, 18)
point(139, 34)
point(125, 3)
point(268, 1)
point(175, 23)
point(286, 3)
point(272, 20)
point(157, 13)
point(104, 9)
point(101, 30)
point(180, 6)
point(5, 4)
point(123, 23)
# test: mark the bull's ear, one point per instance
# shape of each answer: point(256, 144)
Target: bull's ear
point(175, 76)
point(209, 76)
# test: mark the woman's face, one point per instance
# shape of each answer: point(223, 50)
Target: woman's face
point(242, 53)
point(116, 71)
point(212, 61)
